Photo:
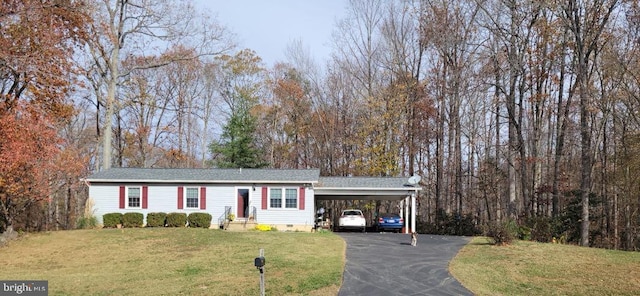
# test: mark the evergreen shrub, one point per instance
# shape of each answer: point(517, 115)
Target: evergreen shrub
point(156, 219)
point(200, 220)
point(111, 220)
point(176, 220)
point(131, 220)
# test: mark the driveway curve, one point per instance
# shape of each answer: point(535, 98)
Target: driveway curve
point(386, 264)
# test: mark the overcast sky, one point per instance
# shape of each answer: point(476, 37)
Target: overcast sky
point(269, 26)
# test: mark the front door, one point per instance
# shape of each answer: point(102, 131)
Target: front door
point(243, 202)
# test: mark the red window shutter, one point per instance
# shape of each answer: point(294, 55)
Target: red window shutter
point(145, 197)
point(180, 196)
point(302, 198)
point(122, 193)
point(203, 198)
point(264, 198)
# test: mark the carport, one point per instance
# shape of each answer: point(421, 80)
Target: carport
point(371, 188)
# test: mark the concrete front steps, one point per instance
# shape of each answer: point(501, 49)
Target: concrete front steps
point(241, 225)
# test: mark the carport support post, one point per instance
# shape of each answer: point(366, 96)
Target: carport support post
point(406, 214)
point(413, 212)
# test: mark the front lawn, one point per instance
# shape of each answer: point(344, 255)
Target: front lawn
point(529, 268)
point(172, 261)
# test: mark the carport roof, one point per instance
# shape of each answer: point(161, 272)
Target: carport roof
point(363, 188)
point(364, 182)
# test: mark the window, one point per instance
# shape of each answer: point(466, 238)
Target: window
point(291, 198)
point(192, 198)
point(276, 198)
point(133, 197)
point(288, 200)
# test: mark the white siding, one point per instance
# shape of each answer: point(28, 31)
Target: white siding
point(106, 199)
point(286, 216)
point(217, 198)
point(164, 198)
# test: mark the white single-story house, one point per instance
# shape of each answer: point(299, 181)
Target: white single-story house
point(284, 198)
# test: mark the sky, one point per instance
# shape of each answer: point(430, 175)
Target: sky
point(269, 26)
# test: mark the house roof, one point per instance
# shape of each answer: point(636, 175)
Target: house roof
point(325, 188)
point(155, 175)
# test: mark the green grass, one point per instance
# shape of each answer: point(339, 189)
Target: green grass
point(528, 268)
point(176, 261)
point(188, 261)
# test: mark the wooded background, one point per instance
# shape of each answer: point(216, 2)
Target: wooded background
point(522, 111)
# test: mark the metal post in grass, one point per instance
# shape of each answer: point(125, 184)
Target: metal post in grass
point(259, 264)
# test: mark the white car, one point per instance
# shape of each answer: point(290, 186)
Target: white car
point(352, 219)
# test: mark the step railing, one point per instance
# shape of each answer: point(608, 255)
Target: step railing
point(250, 214)
point(223, 220)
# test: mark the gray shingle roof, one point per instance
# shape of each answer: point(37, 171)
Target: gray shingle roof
point(155, 175)
point(247, 176)
point(363, 182)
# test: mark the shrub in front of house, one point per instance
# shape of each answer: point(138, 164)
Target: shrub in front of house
point(111, 220)
point(156, 219)
point(87, 222)
point(131, 220)
point(176, 220)
point(201, 220)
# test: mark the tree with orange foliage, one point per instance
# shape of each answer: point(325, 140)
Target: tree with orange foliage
point(28, 141)
point(35, 49)
point(36, 70)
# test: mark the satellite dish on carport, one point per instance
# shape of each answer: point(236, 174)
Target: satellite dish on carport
point(414, 179)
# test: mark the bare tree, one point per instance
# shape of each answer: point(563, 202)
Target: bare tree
point(587, 22)
point(143, 28)
point(448, 29)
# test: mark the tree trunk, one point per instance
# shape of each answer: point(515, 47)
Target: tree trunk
point(439, 156)
point(561, 123)
point(499, 202)
point(69, 216)
point(110, 105)
point(616, 213)
point(8, 234)
point(585, 160)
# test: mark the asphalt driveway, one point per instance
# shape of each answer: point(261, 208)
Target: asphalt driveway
point(386, 264)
